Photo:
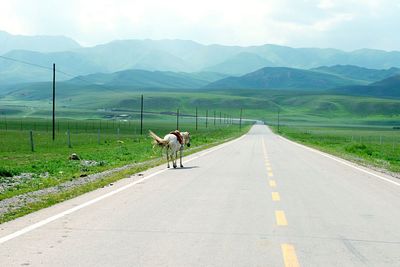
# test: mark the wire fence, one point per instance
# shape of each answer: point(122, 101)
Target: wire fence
point(112, 124)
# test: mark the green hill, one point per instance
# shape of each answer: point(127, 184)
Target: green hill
point(388, 88)
point(364, 75)
point(282, 78)
point(149, 79)
point(122, 81)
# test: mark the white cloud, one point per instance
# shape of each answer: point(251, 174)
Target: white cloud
point(288, 22)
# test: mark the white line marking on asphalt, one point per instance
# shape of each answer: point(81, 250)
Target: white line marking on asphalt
point(69, 211)
point(97, 199)
point(341, 161)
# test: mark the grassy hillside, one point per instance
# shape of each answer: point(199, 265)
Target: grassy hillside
point(149, 79)
point(387, 88)
point(283, 78)
point(363, 75)
point(296, 107)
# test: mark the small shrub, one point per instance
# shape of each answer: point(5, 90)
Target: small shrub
point(359, 149)
point(6, 172)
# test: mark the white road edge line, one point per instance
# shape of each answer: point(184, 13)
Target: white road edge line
point(340, 161)
point(90, 202)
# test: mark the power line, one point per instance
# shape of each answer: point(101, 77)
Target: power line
point(62, 72)
point(26, 62)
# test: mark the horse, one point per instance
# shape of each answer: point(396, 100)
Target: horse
point(173, 142)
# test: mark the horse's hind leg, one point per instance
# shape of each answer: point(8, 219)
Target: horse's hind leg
point(175, 158)
point(167, 158)
point(180, 158)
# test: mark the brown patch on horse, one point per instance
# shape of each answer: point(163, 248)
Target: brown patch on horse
point(178, 135)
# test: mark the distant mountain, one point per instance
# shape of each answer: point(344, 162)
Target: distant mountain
point(44, 43)
point(119, 82)
point(389, 87)
point(69, 62)
point(358, 73)
point(241, 63)
point(282, 78)
point(148, 79)
point(184, 56)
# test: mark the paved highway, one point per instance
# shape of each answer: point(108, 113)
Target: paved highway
point(260, 200)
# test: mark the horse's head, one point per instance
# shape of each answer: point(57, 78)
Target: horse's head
point(186, 138)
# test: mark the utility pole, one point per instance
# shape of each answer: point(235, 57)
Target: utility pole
point(141, 116)
point(54, 101)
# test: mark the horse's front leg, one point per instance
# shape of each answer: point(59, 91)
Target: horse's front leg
point(181, 155)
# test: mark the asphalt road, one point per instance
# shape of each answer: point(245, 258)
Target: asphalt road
point(257, 201)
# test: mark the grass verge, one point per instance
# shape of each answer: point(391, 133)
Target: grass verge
point(51, 199)
point(376, 147)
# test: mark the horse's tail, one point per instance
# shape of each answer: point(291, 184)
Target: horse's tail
point(158, 140)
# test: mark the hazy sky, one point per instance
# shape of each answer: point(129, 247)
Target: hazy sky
point(344, 24)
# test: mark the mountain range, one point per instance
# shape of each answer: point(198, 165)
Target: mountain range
point(169, 55)
point(43, 43)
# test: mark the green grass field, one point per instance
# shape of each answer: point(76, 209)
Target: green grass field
point(110, 143)
point(330, 122)
point(370, 146)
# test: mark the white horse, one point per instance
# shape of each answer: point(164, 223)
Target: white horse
point(172, 144)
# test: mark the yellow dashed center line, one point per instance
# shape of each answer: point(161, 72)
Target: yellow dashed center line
point(288, 251)
point(280, 218)
point(289, 256)
point(276, 196)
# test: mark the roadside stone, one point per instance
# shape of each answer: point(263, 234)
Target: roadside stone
point(45, 175)
point(74, 156)
point(89, 163)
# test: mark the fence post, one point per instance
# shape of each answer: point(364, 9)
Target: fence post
point(240, 120)
point(141, 116)
point(214, 117)
point(206, 118)
point(278, 120)
point(98, 136)
point(197, 117)
point(220, 119)
point(118, 133)
point(31, 140)
point(69, 138)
